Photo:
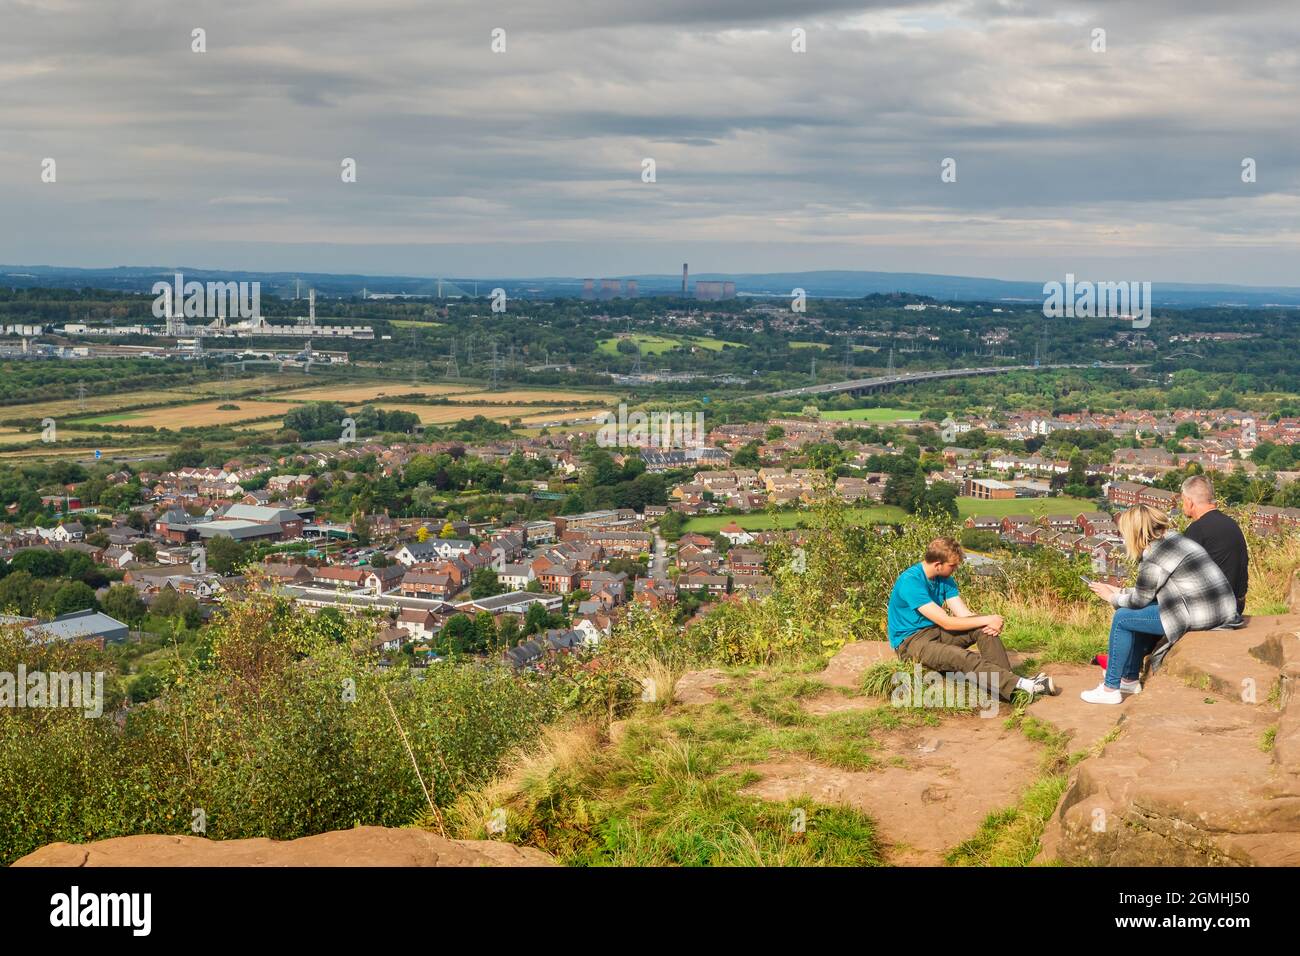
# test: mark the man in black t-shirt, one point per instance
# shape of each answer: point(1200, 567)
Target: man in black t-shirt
point(1216, 533)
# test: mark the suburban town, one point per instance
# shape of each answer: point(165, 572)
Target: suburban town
point(580, 571)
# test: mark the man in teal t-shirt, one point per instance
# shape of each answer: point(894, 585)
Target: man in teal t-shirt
point(921, 630)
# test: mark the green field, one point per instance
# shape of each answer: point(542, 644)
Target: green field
point(809, 345)
point(870, 415)
point(761, 520)
point(1025, 506)
point(414, 324)
point(658, 344)
point(109, 419)
point(966, 507)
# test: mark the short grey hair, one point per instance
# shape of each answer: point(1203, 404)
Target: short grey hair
point(1199, 488)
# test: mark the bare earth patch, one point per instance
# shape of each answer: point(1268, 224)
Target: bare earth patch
point(952, 776)
point(696, 687)
point(853, 660)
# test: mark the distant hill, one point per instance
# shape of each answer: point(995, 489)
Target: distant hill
point(824, 284)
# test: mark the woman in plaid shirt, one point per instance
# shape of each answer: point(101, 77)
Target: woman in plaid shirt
point(1179, 589)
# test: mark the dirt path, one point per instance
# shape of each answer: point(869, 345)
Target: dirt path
point(934, 785)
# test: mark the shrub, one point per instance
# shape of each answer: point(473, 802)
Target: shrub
point(276, 731)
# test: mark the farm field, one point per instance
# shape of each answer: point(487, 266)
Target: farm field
point(658, 344)
point(362, 392)
point(564, 415)
point(442, 414)
point(809, 345)
point(870, 415)
point(60, 409)
point(519, 395)
point(966, 507)
point(648, 344)
point(193, 416)
point(80, 450)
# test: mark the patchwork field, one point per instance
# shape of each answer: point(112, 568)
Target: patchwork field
point(518, 395)
point(564, 415)
point(60, 409)
point(194, 416)
point(442, 414)
point(82, 451)
point(366, 392)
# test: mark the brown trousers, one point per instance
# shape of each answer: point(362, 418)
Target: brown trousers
point(949, 651)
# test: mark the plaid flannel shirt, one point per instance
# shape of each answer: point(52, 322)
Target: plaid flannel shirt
point(1191, 590)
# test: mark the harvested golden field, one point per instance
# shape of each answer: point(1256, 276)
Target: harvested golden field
point(64, 408)
point(368, 392)
point(13, 436)
point(558, 396)
point(442, 414)
point(194, 416)
point(68, 407)
point(81, 450)
point(565, 415)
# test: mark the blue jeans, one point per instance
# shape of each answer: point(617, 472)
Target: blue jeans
point(1133, 635)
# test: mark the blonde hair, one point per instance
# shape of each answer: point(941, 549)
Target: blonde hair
point(1139, 526)
point(944, 550)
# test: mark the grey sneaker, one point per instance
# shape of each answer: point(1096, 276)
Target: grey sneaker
point(1043, 684)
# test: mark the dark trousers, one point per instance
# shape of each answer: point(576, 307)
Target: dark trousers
point(949, 651)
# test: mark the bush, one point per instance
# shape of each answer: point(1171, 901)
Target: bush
point(275, 731)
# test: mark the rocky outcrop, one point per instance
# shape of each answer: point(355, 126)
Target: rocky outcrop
point(362, 846)
point(852, 661)
point(1204, 767)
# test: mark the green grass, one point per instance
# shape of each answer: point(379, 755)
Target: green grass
point(658, 344)
point(668, 793)
point(1268, 740)
point(808, 345)
point(871, 415)
point(967, 507)
point(415, 324)
point(108, 419)
point(712, 344)
point(1011, 837)
point(761, 520)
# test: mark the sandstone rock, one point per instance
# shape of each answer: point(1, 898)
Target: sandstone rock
point(1225, 662)
point(696, 687)
point(1188, 781)
point(853, 660)
point(362, 846)
point(931, 790)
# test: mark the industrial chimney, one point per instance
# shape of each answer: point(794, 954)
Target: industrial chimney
point(685, 273)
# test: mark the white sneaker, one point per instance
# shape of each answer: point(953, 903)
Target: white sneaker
point(1127, 687)
point(1101, 694)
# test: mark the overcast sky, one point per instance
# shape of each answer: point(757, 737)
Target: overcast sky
point(1117, 165)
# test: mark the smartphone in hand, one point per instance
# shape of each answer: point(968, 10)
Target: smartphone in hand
point(1087, 581)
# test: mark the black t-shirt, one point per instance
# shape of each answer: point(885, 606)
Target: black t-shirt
point(1219, 535)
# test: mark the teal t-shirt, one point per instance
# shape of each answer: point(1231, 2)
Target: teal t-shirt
point(913, 590)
